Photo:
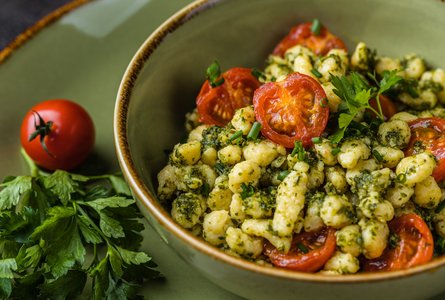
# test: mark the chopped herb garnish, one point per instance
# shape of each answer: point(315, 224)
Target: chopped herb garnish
point(377, 155)
point(220, 168)
point(394, 240)
point(316, 73)
point(299, 151)
point(316, 27)
point(236, 135)
point(254, 131)
point(410, 86)
point(282, 175)
point(335, 151)
point(259, 74)
point(247, 190)
point(401, 178)
point(439, 207)
point(213, 74)
point(302, 248)
point(205, 189)
point(316, 140)
point(439, 243)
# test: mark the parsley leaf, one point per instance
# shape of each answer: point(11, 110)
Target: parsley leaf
point(344, 120)
point(66, 287)
point(247, 190)
point(61, 184)
point(390, 78)
point(5, 288)
point(6, 267)
point(13, 190)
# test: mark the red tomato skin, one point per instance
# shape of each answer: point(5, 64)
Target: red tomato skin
point(431, 131)
point(284, 117)
point(217, 105)
point(303, 35)
point(70, 140)
point(310, 262)
point(407, 227)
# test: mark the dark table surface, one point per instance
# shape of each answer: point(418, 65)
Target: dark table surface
point(18, 15)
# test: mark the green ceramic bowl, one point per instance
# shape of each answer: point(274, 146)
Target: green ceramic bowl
point(165, 75)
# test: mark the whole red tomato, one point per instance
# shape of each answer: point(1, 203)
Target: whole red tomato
point(57, 134)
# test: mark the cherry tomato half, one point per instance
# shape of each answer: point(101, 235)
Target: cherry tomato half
point(414, 245)
point(429, 134)
point(63, 134)
point(303, 35)
point(389, 109)
point(308, 253)
point(216, 105)
point(294, 109)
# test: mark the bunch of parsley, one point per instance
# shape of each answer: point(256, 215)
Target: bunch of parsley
point(49, 222)
point(356, 92)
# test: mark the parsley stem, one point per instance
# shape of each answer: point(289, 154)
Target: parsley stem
point(377, 99)
point(35, 171)
point(378, 114)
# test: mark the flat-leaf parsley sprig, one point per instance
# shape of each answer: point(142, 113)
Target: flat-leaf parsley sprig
point(355, 93)
point(48, 223)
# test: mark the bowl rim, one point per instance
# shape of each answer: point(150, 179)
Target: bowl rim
point(143, 195)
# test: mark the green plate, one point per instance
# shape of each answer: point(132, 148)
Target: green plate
point(83, 57)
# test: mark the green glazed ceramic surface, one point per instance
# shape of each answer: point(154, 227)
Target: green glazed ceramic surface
point(164, 77)
point(82, 57)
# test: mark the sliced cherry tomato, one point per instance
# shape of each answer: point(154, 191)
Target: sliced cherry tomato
point(308, 253)
point(302, 35)
point(429, 134)
point(294, 109)
point(389, 109)
point(216, 105)
point(414, 245)
point(57, 134)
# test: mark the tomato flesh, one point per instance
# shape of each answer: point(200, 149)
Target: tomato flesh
point(319, 246)
point(303, 35)
point(217, 105)
point(71, 137)
point(291, 110)
point(414, 245)
point(429, 134)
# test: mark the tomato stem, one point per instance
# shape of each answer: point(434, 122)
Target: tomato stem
point(42, 130)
